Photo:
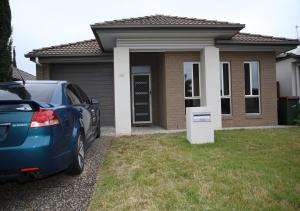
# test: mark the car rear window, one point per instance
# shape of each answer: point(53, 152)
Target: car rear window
point(37, 92)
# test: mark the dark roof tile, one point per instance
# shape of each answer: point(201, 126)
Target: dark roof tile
point(16, 72)
point(82, 48)
point(257, 38)
point(91, 47)
point(163, 20)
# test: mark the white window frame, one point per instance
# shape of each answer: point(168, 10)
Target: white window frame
point(193, 97)
point(222, 85)
point(251, 95)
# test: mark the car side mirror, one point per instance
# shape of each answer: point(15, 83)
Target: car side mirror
point(94, 101)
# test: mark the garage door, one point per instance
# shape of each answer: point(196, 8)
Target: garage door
point(95, 79)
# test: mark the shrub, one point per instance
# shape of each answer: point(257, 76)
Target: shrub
point(297, 120)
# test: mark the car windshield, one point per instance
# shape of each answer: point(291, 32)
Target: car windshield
point(37, 92)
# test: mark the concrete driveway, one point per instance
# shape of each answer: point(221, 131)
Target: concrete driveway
point(60, 191)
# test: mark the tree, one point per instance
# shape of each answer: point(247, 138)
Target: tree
point(5, 41)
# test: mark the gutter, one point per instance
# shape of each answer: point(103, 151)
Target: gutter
point(229, 42)
point(97, 38)
point(170, 26)
point(37, 61)
point(32, 56)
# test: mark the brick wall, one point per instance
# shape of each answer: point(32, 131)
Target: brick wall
point(43, 72)
point(175, 86)
point(268, 98)
point(169, 100)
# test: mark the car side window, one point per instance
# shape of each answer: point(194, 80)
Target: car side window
point(73, 98)
point(82, 94)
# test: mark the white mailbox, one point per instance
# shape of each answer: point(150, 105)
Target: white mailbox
point(199, 125)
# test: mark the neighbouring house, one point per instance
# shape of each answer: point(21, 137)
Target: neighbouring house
point(17, 73)
point(146, 70)
point(288, 73)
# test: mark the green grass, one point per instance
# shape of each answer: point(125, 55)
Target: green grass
point(242, 170)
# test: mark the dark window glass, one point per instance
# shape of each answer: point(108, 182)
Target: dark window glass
point(38, 92)
point(73, 96)
point(252, 105)
point(83, 96)
point(221, 82)
point(196, 80)
point(226, 79)
point(192, 103)
point(255, 78)
point(141, 98)
point(76, 92)
point(247, 78)
point(225, 105)
point(188, 74)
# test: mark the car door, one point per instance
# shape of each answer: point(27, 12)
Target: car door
point(93, 108)
point(82, 107)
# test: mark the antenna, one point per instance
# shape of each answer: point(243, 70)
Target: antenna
point(297, 32)
point(15, 65)
point(23, 81)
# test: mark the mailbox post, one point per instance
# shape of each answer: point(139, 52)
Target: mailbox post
point(199, 125)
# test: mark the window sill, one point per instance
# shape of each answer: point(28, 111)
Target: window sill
point(227, 116)
point(254, 116)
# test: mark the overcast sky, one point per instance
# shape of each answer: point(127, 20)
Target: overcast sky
point(42, 23)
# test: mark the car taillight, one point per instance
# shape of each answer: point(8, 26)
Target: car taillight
point(29, 169)
point(43, 118)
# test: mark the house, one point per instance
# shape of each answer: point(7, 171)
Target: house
point(288, 73)
point(146, 70)
point(17, 73)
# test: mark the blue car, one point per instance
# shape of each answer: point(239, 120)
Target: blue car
point(45, 127)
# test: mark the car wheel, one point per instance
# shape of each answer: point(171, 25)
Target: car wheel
point(77, 165)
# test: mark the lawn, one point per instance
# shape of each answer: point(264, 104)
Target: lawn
point(242, 170)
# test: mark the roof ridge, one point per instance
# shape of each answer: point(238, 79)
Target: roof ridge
point(164, 16)
point(64, 45)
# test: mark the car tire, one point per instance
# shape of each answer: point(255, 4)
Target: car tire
point(77, 165)
point(98, 129)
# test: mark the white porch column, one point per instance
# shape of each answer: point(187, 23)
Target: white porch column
point(210, 66)
point(122, 91)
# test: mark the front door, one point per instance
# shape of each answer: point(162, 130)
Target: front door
point(141, 98)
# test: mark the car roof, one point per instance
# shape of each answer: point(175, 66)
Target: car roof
point(34, 82)
point(44, 82)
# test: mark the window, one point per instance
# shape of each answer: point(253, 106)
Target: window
point(72, 95)
point(192, 84)
point(40, 92)
point(225, 88)
point(252, 87)
point(84, 98)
